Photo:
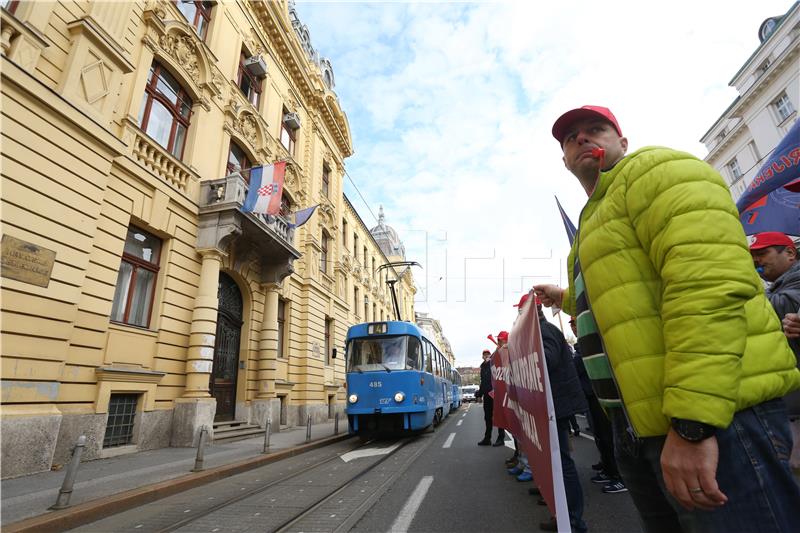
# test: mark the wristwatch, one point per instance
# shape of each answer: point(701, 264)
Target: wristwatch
point(691, 430)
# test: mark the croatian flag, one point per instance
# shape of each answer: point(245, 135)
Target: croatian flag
point(266, 186)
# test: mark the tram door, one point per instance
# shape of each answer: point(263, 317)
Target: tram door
point(226, 347)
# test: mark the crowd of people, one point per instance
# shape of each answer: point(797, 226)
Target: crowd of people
point(688, 343)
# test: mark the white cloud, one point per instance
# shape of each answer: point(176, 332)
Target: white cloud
point(451, 106)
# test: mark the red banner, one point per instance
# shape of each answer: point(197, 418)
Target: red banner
point(524, 406)
point(500, 367)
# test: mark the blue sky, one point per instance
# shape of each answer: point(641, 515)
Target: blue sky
point(451, 104)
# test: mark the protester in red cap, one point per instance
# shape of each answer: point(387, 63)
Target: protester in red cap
point(775, 257)
point(681, 345)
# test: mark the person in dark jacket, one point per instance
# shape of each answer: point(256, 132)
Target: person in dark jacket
point(485, 392)
point(775, 257)
point(568, 399)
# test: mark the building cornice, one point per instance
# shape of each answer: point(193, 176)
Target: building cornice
point(273, 17)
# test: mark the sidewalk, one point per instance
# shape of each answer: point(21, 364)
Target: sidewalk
point(30, 496)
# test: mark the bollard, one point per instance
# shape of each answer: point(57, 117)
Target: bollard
point(336, 424)
point(308, 429)
point(201, 445)
point(267, 432)
point(65, 492)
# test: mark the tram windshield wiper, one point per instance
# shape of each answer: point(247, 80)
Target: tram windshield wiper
point(386, 367)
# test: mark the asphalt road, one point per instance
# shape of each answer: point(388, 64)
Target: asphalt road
point(436, 482)
point(471, 492)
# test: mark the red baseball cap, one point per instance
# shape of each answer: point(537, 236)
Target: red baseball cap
point(771, 238)
point(502, 336)
point(566, 120)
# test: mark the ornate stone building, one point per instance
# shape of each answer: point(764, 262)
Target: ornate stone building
point(434, 329)
point(768, 87)
point(139, 302)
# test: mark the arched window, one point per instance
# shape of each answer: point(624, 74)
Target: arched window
point(166, 110)
point(198, 14)
point(238, 162)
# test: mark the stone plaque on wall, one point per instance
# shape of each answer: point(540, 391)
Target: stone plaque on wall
point(26, 262)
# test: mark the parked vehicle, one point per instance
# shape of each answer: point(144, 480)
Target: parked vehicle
point(468, 393)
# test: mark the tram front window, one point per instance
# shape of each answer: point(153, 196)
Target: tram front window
point(381, 353)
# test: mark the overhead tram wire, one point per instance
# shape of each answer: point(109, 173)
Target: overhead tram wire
point(353, 183)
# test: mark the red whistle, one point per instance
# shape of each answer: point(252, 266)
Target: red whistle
point(599, 153)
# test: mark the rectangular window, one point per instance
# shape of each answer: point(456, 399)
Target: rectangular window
point(326, 180)
point(328, 333)
point(166, 110)
point(288, 134)
point(783, 106)
point(365, 257)
point(344, 235)
point(198, 14)
point(121, 417)
point(323, 256)
point(248, 83)
point(733, 166)
point(366, 309)
point(9, 5)
point(355, 301)
point(355, 245)
point(136, 281)
point(281, 328)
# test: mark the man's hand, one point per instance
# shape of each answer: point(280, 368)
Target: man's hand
point(549, 294)
point(690, 472)
point(791, 325)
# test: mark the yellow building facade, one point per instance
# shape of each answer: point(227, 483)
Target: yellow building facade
point(139, 302)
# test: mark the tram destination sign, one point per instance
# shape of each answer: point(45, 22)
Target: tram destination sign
point(26, 262)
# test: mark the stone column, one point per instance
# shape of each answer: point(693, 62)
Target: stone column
point(267, 358)
point(196, 408)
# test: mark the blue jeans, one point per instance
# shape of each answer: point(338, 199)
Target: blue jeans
point(753, 471)
point(572, 483)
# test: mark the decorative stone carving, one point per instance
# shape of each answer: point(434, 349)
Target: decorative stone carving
point(182, 49)
point(248, 126)
point(93, 81)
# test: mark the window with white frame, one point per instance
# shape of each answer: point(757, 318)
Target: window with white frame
point(136, 280)
point(733, 166)
point(783, 106)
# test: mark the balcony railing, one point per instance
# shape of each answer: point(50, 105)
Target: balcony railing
point(229, 193)
point(159, 161)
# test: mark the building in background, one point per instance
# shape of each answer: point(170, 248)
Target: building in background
point(145, 304)
point(769, 95)
point(434, 330)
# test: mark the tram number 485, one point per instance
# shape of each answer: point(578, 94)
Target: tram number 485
point(376, 384)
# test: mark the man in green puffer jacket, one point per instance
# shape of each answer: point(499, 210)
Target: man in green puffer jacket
point(684, 351)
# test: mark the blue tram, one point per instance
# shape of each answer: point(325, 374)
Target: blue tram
point(397, 379)
point(456, 381)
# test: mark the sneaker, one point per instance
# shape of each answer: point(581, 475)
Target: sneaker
point(550, 525)
point(615, 487)
point(485, 442)
point(601, 479)
point(515, 471)
point(525, 476)
point(597, 466)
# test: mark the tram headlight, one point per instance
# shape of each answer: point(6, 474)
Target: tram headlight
point(399, 397)
point(353, 398)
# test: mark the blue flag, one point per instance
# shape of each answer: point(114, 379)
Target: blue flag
point(782, 168)
point(302, 216)
point(568, 225)
point(777, 211)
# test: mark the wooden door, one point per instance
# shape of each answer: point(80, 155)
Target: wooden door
point(226, 348)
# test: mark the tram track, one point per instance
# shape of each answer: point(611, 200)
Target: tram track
point(286, 480)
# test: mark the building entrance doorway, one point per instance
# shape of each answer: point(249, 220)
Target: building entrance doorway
point(226, 348)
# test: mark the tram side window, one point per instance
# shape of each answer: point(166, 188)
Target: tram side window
point(428, 358)
point(414, 357)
